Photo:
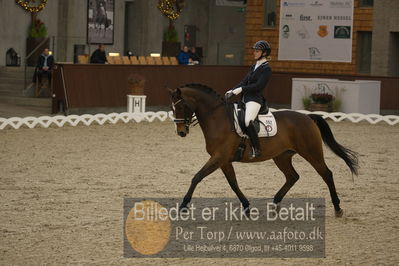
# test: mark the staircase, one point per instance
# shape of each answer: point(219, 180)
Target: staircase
point(12, 92)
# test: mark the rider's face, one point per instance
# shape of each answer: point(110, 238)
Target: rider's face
point(257, 53)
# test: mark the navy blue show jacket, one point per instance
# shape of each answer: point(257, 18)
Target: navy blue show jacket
point(254, 83)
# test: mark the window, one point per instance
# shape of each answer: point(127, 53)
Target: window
point(270, 13)
point(364, 52)
point(393, 69)
point(366, 3)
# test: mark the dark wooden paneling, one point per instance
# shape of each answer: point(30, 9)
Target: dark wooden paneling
point(106, 85)
point(90, 86)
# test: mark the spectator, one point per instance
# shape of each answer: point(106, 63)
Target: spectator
point(194, 56)
point(183, 57)
point(44, 67)
point(98, 56)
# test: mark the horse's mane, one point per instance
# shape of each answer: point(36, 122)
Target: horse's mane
point(203, 88)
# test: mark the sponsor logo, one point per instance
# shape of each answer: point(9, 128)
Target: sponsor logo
point(286, 31)
point(341, 4)
point(342, 17)
point(305, 18)
point(334, 17)
point(292, 4)
point(324, 17)
point(322, 31)
point(314, 53)
point(303, 33)
point(316, 4)
point(342, 32)
point(288, 16)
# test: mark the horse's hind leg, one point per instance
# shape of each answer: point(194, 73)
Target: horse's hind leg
point(312, 150)
point(327, 176)
point(228, 171)
point(284, 163)
point(316, 159)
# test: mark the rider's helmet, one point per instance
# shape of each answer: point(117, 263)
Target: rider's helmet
point(264, 46)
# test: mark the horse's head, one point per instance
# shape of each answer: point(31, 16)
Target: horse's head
point(183, 112)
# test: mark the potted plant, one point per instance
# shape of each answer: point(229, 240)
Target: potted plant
point(321, 102)
point(170, 44)
point(37, 33)
point(136, 84)
point(322, 98)
point(170, 35)
point(38, 29)
point(172, 10)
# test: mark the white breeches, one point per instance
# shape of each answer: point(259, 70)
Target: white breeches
point(251, 111)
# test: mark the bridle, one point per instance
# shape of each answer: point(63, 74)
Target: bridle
point(189, 113)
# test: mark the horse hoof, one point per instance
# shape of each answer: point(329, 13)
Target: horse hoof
point(183, 209)
point(339, 213)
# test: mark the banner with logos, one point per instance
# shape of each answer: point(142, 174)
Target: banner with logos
point(316, 30)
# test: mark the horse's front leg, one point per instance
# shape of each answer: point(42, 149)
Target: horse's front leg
point(230, 174)
point(212, 164)
point(105, 31)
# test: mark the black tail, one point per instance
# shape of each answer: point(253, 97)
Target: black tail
point(350, 157)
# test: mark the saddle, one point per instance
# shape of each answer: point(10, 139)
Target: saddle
point(265, 123)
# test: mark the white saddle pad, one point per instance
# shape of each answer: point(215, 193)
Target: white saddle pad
point(268, 125)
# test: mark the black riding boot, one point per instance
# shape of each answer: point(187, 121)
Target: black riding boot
point(253, 136)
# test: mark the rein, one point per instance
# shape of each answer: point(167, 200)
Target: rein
point(192, 121)
point(195, 121)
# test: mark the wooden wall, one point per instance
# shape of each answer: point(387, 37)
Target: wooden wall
point(363, 21)
point(92, 86)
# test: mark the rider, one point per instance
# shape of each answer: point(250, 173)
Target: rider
point(252, 91)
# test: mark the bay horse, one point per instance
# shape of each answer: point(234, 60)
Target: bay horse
point(296, 134)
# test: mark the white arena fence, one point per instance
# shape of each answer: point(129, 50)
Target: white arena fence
point(113, 118)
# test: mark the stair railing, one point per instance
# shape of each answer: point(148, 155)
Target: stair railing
point(29, 56)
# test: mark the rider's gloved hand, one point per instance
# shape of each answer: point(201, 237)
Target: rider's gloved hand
point(232, 92)
point(229, 94)
point(237, 91)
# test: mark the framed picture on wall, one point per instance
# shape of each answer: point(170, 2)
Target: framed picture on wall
point(100, 21)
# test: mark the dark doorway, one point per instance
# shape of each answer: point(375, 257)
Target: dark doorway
point(134, 27)
point(128, 30)
point(394, 54)
point(364, 52)
point(190, 32)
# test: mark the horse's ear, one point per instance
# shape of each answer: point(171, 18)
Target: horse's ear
point(170, 90)
point(178, 92)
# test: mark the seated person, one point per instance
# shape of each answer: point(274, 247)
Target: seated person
point(44, 66)
point(194, 56)
point(99, 56)
point(183, 57)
